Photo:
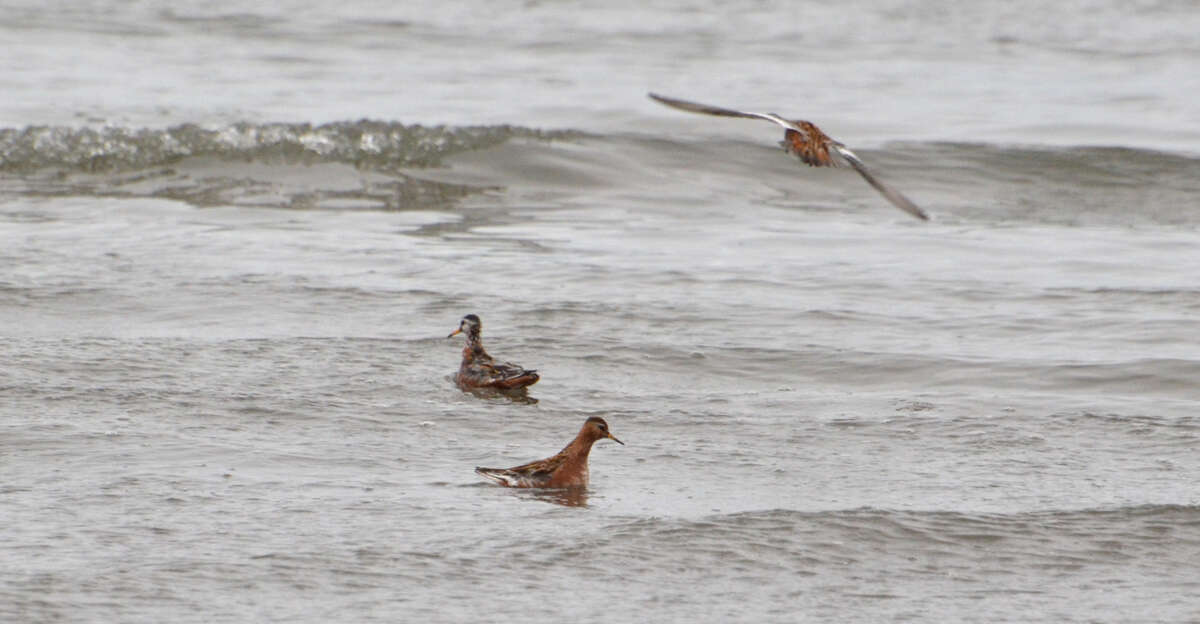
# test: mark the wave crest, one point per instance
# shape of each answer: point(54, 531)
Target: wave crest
point(376, 144)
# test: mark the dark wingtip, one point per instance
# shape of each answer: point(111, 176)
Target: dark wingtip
point(661, 99)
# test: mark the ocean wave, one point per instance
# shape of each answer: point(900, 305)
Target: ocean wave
point(873, 553)
point(376, 144)
point(1102, 534)
point(334, 166)
point(1112, 166)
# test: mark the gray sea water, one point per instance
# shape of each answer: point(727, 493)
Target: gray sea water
point(234, 237)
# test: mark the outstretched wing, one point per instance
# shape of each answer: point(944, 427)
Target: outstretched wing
point(810, 146)
point(705, 109)
point(896, 197)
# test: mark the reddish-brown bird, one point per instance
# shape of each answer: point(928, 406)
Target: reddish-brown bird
point(807, 142)
point(479, 370)
point(568, 469)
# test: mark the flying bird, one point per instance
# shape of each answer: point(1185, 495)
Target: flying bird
point(807, 142)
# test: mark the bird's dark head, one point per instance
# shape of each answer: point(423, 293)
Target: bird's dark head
point(470, 325)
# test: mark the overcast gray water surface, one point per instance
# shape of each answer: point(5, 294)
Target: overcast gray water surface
point(233, 240)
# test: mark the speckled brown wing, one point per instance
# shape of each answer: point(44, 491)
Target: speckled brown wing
point(533, 474)
point(509, 376)
point(479, 370)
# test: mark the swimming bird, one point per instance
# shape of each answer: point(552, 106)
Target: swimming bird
point(806, 141)
point(479, 370)
point(567, 469)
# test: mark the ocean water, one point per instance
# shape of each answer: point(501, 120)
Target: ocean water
point(233, 239)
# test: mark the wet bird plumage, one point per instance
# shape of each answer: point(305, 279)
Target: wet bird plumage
point(567, 469)
point(479, 370)
point(809, 144)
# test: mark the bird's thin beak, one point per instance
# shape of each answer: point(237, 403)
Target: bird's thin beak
point(614, 439)
point(455, 333)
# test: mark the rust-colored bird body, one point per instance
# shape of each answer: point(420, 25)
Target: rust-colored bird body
point(567, 469)
point(479, 370)
point(809, 144)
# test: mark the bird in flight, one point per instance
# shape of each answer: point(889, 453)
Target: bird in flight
point(807, 142)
